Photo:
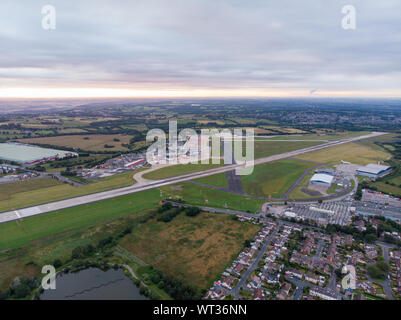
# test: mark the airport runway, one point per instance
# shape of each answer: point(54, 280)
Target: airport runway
point(72, 202)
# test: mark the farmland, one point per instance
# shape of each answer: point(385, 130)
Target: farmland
point(93, 142)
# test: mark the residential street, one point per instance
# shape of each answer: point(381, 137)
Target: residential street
point(254, 265)
point(386, 283)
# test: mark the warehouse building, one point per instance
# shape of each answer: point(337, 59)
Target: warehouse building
point(28, 155)
point(321, 179)
point(373, 171)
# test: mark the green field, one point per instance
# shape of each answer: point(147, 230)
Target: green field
point(9, 189)
point(202, 196)
point(339, 136)
point(274, 178)
point(194, 248)
point(177, 170)
point(297, 193)
point(217, 180)
point(269, 147)
point(44, 194)
point(352, 152)
point(16, 233)
point(389, 189)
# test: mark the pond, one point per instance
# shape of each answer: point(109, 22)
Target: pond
point(94, 284)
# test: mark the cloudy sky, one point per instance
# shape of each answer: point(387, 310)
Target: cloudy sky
point(200, 48)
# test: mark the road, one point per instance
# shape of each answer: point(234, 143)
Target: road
point(300, 285)
point(146, 185)
point(386, 283)
point(254, 265)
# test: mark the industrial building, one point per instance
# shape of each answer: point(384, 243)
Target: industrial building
point(321, 179)
point(28, 155)
point(323, 214)
point(328, 171)
point(373, 171)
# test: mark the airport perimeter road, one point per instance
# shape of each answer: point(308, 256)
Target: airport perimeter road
point(72, 202)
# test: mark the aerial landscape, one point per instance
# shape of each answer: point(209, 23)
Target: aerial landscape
point(241, 170)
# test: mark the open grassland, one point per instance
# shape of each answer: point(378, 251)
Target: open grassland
point(64, 191)
point(274, 178)
point(9, 189)
point(203, 196)
point(93, 142)
point(267, 147)
point(40, 240)
point(387, 188)
point(177, 170)
point(337, 136)
point(194, 248)
point(282, 130)
point(17, 233)
point(297, 193)
point(217, 180)
point(197, 248)
point(351, 152)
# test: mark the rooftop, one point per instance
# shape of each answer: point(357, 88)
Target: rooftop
point(25, 153)
point(321, 177)
point(373, 168)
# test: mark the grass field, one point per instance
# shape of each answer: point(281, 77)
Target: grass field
point(297, 193)
point(217, 180)
point(338, 136)
point(201, 196)
point(94, 142)
point(195, 248)
point(267, 147)
point(351, 152)
point(9, 189)
point(177, 170)
point(386, 188)
point(274, 178)
point(28, 244)
point(63, 191)
point(16, 233)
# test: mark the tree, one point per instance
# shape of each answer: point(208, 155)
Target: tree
point(57, 263)
point(192, 211)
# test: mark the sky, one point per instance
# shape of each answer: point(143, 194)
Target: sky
point(200, 48)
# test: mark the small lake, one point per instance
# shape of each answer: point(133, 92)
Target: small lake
point(94, 284)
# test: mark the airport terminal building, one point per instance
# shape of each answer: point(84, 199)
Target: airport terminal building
point(373, 171)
